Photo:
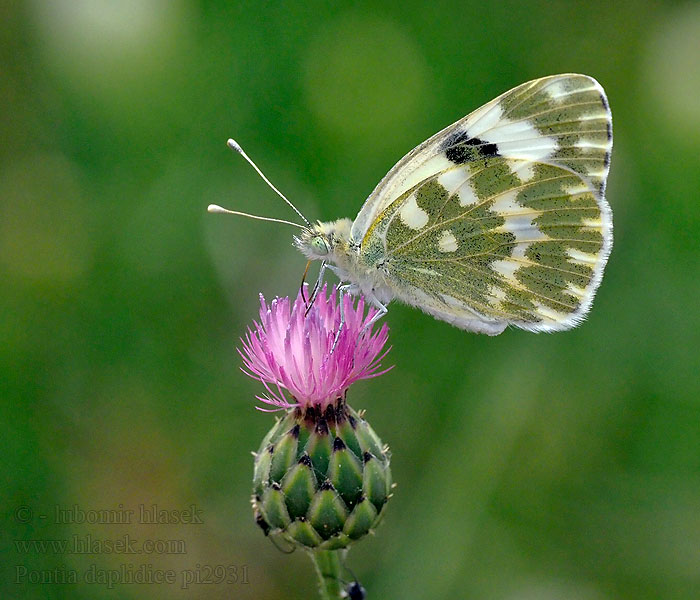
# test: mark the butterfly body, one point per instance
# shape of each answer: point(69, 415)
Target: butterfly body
point(499, 219)
point(332, 242)
point(378, 278)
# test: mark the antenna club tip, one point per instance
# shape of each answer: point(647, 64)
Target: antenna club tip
point(215, 208)
point(234, 145)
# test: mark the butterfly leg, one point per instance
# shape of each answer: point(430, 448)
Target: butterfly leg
point(317, 287)
point(342, 290)
point(381, 311)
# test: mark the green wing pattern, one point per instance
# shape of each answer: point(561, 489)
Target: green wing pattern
point(510, 225)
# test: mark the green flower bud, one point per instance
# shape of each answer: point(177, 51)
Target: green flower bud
point(321, 478)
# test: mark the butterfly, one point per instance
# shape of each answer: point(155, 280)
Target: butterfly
point(499, 219)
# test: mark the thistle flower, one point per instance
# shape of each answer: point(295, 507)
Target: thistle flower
point(321, 477)
point(292, 350)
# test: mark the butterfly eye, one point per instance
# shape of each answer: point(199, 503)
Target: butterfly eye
point(320, 245)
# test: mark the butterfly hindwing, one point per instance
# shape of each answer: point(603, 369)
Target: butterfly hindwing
point(500, 218)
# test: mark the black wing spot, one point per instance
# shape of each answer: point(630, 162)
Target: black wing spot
point(486, 149)
point(460, 148)
point(608, 128)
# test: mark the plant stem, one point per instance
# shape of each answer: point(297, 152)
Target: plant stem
point(327, 565)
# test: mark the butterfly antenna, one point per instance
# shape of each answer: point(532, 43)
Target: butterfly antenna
point(234, 145)
point(215, 208)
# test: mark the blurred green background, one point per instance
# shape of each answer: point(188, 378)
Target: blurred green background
point(530, 467)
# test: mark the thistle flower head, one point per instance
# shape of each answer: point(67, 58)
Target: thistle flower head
point(321, 477)
point(293, 350)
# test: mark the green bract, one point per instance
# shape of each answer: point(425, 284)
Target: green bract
point(321, 480)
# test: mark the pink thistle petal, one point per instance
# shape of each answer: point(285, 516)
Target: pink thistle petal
point(291, 350)
point(268, 410)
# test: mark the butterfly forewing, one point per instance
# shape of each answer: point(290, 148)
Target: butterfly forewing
point(500, 218)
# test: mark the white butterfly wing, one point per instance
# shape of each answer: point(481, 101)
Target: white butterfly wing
point(501, 218)
point(516, 138)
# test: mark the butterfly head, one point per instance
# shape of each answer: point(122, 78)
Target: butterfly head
point(321, 241)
